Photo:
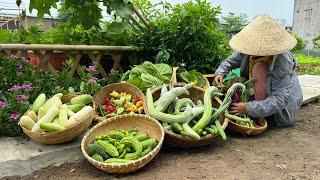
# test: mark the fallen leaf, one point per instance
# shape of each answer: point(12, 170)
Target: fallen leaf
point(72, 170)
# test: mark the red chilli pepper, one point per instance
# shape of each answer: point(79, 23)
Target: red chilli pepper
point(107, 102)
point(136, 100)
point(111, 109)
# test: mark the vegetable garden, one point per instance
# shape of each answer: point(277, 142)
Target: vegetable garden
point(131, 84)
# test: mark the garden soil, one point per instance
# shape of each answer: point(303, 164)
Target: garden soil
point(279, 153)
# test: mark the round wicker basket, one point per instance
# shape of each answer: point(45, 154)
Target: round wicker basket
point(176, 140)
point(246, 131)
point(62, 136)
point(104, 93)
point(237, 128)
point(143, 123)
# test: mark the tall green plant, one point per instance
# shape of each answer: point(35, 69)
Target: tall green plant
point(301, 44)
point(188, 36)
point(316, 42)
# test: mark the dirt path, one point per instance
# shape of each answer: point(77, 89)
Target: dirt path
point(281, 153)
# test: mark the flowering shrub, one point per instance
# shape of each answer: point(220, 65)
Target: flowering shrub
point(18, 88)
point(87, 81)
point(21, 84)
point(90, 82)
point(13, 103)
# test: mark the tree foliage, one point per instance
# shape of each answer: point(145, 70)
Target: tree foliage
point(187, 36)
point(233, 23)
point(85, 12)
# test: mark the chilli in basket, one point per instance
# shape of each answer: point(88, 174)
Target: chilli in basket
point(117, 99)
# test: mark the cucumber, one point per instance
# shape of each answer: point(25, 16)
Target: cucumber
point(135, 144)
point(177, 127)
point(51, 127)
point(141, 137)
point(111, 150)
point(33, 116)
point(95, 148)
point(40, 100)
point(116, 135)
point(146, 151)
point(149, 142)
point(76, 107)
point(82, 99)
point(221, 131)
point(27, 122)
point(97, 157)
point(210, 130)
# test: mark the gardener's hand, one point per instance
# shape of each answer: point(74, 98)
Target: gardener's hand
point(238, 108)
point(218, 79)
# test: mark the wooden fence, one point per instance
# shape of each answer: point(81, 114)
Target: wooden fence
point(73, 52)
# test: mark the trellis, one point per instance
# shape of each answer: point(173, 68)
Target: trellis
point(73, 52)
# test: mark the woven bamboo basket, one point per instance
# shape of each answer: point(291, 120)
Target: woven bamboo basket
point(62, 136)
point(143, 123)
point(176, 140)
point(104, 93)
point(246, 131)
point(238, 128)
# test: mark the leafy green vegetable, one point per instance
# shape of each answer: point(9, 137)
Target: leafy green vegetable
point(193, 76)
point(149, 81)
point(148, 75)
point(164, 69)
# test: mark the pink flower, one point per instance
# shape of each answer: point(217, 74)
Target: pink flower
point(91, 69)
point(15, 87)
point(21, 97)
point(14, 116)
point(2, 104)
point(26, 87)
point(92, 80)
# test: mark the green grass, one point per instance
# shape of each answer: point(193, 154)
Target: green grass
point(308, 65)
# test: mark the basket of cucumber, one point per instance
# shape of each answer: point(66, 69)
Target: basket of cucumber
point(123, 143)
point(249, 128)
point(52, 122)
point(189, 115)
point(118, 99)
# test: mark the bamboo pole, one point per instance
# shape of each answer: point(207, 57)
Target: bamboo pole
point(140, 15)
point(136, 22)
point(67, 47)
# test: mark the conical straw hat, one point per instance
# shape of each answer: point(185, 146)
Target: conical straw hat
point(263, 37)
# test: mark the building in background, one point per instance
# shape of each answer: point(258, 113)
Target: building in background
point(306, 20)
point(12, 22)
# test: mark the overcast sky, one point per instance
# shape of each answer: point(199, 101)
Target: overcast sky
point(279, 9)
